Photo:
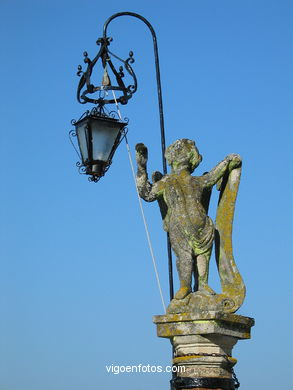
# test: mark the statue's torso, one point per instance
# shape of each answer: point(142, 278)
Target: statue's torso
point(183, 194)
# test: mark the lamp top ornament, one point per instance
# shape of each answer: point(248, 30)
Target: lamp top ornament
point(86, 90)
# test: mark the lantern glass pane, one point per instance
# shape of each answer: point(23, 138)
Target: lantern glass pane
point(104, 134)
point(82, 136)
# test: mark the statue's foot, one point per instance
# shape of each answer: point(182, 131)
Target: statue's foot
point(182, 293)
point(206, 289)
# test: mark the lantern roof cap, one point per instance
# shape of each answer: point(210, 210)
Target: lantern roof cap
point(101, 114)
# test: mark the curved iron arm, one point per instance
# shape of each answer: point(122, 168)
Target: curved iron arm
point(161, 113)
point(159, 88)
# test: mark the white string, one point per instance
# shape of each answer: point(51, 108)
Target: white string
point(142, 211)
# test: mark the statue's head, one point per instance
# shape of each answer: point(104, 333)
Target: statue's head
point(183, 154)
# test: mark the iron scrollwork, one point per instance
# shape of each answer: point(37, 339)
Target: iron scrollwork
point(85, 86)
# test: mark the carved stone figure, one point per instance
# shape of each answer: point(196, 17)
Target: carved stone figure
point(184, 201)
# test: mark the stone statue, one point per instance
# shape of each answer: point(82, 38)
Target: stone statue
point(184, 201)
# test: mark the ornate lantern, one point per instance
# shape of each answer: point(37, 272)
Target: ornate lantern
point(98, 137)
point(98, 132)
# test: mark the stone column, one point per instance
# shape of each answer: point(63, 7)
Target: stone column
point(203, 346)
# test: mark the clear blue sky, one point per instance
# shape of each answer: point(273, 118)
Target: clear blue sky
point(77, 287)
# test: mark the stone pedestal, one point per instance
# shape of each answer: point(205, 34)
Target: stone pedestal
point(203, 346)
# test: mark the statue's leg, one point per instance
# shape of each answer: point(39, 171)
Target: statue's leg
point(184, 265)
point(202, 263)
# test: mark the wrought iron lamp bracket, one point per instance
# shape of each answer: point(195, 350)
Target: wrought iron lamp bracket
point(85, 86)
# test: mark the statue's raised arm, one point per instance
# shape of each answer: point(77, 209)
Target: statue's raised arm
point(146, 190)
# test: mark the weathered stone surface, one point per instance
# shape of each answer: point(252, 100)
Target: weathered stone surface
point(203, 343)
point(212, 344)
point(233, 325)
point(184, 202)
